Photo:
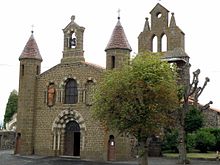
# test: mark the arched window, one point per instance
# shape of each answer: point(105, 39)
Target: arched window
point(154, 43)
point(89, 91)
point(164, 43)
point(71, 92)
point(73, 41)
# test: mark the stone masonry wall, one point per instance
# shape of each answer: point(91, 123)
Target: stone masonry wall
point(93, 140)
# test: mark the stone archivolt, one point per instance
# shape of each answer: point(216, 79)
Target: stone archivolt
point(68, 115)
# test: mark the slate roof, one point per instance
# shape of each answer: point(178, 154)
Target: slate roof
point(118, 38)
point(31, 50)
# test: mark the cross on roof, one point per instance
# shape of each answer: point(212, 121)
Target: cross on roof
point(119, 13)
point(32, 29)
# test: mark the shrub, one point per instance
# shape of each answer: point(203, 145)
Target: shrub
point(204, 140)
point(216, 133)
point(191, 141)
point(170, 141)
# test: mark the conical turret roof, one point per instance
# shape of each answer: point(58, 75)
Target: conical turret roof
point(31, 50)
point(118, 38)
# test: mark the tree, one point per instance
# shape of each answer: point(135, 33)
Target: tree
point(193, 121)
point(190, 91)
point(138, 99)
point(11, 107)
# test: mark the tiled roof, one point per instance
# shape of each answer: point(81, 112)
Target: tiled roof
point(31, 50)
point(118, 38)
point(94, 65)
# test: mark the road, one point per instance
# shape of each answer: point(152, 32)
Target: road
point(7, 158)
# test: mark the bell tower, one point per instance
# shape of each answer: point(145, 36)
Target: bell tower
point(160, 27)
point(73, 43)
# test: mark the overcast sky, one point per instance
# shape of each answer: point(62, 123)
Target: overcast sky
point(199, 20)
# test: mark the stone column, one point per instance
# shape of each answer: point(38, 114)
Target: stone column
point(54, 141)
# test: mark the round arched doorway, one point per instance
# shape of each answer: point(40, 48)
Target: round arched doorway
point(72, 139)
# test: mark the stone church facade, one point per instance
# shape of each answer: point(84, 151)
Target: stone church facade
point(54, 107)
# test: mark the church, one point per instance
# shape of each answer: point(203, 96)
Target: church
point(54, 107)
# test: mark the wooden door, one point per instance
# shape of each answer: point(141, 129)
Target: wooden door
point(72, 139)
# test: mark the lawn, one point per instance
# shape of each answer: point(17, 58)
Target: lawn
point(209, 155)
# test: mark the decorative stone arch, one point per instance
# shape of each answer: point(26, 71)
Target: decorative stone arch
point(86, 81)
point(63, 83)
point(59, 124)
point(88, 86)
point(90, 79)
point(62, 88)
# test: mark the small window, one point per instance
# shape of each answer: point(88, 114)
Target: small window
point(159, 14)
point(22, 70)
point(113, 61)
point(38, 70)
point(71, 92)
point(111, 140)
point(18, 134)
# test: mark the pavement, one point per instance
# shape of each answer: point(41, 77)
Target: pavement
point(8, 158)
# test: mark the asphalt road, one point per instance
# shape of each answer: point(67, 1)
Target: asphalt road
point(7, 158)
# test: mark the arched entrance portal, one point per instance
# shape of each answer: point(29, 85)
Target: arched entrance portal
point(72, 139)
point(68, 133)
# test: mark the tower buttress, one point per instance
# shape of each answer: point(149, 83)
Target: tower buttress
point(118, 49)
point(73, 43)
point(30, 67)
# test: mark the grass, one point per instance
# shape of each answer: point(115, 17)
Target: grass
point(209, 155)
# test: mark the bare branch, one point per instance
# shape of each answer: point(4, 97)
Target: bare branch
point(207, 106)
point(204, 85)
point(195, 81)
